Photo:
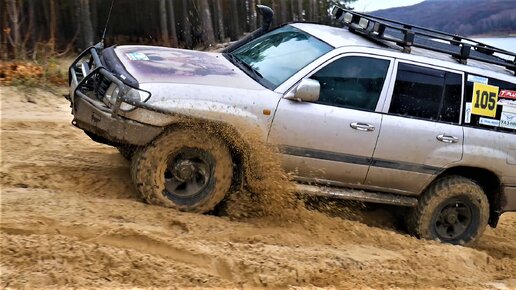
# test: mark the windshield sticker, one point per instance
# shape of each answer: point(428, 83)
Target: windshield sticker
point(508, 119)
point(489, 122)
point(467, 119)
point(477, 79)
point(485, 100)
point(162, 63)
point(136, 56)
point(506, 94)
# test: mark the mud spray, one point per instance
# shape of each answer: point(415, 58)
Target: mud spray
point(267, 193)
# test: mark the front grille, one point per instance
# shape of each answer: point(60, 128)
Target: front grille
point(102, 86)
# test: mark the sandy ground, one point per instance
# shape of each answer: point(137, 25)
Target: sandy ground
point(71, 218)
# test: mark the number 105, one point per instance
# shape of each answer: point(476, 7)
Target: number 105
point(485, 100)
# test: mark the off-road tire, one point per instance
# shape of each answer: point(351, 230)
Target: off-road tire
point(127, 151)
point(422, 220)
point(150, 163)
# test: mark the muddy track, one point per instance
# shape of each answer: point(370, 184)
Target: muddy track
point(70, 217)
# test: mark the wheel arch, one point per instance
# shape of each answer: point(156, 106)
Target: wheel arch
point(488, 181)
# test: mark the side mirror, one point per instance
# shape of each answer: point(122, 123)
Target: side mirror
point(308, 90)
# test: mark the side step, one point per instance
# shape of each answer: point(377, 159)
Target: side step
point(354, 194)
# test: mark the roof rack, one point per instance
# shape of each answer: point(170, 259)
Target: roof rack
point(405, 36)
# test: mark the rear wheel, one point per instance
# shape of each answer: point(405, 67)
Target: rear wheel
point(453, 210)
point(184, 169)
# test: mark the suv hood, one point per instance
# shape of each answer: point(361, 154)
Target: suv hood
point(153, 64)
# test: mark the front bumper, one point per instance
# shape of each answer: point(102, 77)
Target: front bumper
point(87, 76)
point(96, 118)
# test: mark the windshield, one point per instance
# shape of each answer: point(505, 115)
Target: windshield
point(276, 56)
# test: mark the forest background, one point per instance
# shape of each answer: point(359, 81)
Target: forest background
point(35, 28)
point(38, 37)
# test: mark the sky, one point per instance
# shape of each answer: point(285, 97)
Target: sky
point(372, 5)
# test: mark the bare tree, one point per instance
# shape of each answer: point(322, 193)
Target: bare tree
point(207, 25)
point(14, 30)
point(220, 22)
point(300, 10)
point(283, 9)
point(172, 23)
point(165, 38)
point(94, 17)
point(187, 25)
point(235, 28)
point(29, 31)
point(53, 27)
point(314, 12)
point(276, 7)
point(252, 15)
point(86, 27)
point(4, 33)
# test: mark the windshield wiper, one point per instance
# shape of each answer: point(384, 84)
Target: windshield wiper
point(247, 66)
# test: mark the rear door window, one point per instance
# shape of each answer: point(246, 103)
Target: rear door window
point(426, 93)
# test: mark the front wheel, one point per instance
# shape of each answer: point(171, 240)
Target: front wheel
point(184, 169)
point(454, 210)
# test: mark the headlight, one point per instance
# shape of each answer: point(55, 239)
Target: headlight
point(131, 97)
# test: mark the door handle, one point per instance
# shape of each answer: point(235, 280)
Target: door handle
point(362, 127)
point(447, 139)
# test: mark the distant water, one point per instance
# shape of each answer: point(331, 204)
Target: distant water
point(507, 43)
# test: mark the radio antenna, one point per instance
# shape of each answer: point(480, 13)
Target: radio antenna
point(107, 23)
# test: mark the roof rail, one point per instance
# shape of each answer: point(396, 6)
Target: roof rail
point(405, 36)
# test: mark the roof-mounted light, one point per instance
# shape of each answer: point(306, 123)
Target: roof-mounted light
point(337, 12)
point(363, 23)
point(347, 18)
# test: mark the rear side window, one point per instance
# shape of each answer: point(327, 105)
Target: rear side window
point(500, 113)
point(425, 93)
point(354, 82)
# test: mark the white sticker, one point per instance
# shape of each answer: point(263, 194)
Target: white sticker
point(508, 119)
point(507, 103)
point(477, 79)
point(467, 118)
point(509, 109)
point(489, 122)
point(137, 56)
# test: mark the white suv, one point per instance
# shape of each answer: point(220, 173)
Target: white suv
point(378, 111)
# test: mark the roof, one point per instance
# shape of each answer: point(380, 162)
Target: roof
point(342, 37)
point(335, 36)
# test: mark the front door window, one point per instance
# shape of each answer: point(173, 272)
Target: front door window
point(353, 82)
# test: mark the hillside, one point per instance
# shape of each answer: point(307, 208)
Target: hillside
point(473, 17)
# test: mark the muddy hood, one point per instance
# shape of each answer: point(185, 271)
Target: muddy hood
point(152, 64)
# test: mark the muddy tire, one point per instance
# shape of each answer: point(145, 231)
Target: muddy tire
point(184, 169)
point(127, 151)
point(453, 210)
